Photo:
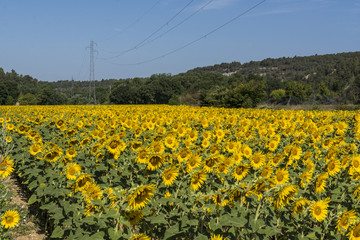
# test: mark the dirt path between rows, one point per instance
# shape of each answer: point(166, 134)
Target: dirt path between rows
point(28, 228)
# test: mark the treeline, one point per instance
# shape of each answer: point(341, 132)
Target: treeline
point(319, 79)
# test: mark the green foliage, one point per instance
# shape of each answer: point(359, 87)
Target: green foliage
point(278, 95)
point(27, 99)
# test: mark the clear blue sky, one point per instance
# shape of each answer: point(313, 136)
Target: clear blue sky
point(47, 39)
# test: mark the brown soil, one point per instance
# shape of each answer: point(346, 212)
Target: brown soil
point(28, 228)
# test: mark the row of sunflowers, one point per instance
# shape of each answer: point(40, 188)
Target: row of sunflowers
point(180, 172)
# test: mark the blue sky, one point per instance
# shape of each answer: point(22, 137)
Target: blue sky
point(48, 39)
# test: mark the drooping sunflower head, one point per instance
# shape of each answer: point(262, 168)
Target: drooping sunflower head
point(197, 179)
point(155, 162)
point(81, 181)
point(134, 216)
point(52, 156)
point(193, 162)
point(35, 149)
point(333, 167)
point(71, 152)
point(169, 176)
point(345, 220)
point(140, 197)
point(354, 233)
point(140, 237)
point(300, 205)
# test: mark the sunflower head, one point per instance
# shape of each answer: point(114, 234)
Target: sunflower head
point(10, 219)
point(319, 209)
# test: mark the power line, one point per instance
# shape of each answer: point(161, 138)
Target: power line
point(190, 16)
point(194, 41)
point(152, 34)
point(131, 24)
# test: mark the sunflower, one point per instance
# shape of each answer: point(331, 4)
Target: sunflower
point(272, 145)
point(155, 161)
point(72, 170)
point(142, 156)
point(266, 171)
point(257, 160)
point(71, 152)
point(167, 195)
point(35, 149)
point(355, 163)
point(246, 151)
point(193, 162)
point(52, 156)
point(240, 171)
point(135, 146)
point(320, 182)
point(184, 154)
point(157, 147)
point(139, 198)
point(134, 216)
point(140, 237)
point(81, 181)
point(305, 178)
point(300, 205)
point(197, 179)
point(6, 167)
point(209, 163)
point(10, 219)
point(169, 176)
point(283, 197)
point(276, 159)
point(345, 220)
point(231, 146)
point(281, 176)
point(319, 209)
point(171, 142)
point(217, 237)
point(354, 233)
point(205, 143)
point(91, 191)
point(295, 152)
point(333, 167)
point(222, 168)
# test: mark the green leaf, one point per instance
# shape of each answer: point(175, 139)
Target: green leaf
point(158, 220)
point(96, 236)
point(33, 199)
point(57, 233)
point(171, 231)
point(201, 237)
point(114, 235)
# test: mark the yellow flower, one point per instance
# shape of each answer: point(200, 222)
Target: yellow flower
point(217, 237)
point(52, 156)
point(333, 167)
point(197, 179)
point(140, 237)
point(300, 205)
point(71, 152)
point(281, 176)
point(35, 149)
point(321, 182)
point(72, 170)
point(257, 160)
point(246, 151)
point(10, 219)
point(283, 197)
point(167, 195)
point(134, 216)
point(345, 220)
point(354, 233)
point(6, 167)
point(91, 191)
point(355, 163)
point(319, 209)
point(139, 198)
point(155, 161)
point(81, 181)
point(169, 176)
point(241, 171)
point(272, 145)
point(193, 162)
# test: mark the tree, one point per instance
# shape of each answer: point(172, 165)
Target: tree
point(27, 99)
point(278, 95)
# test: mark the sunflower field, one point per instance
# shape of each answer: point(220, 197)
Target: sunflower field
point(181, 172)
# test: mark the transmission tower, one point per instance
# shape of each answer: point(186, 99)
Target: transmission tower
point(92, 94)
